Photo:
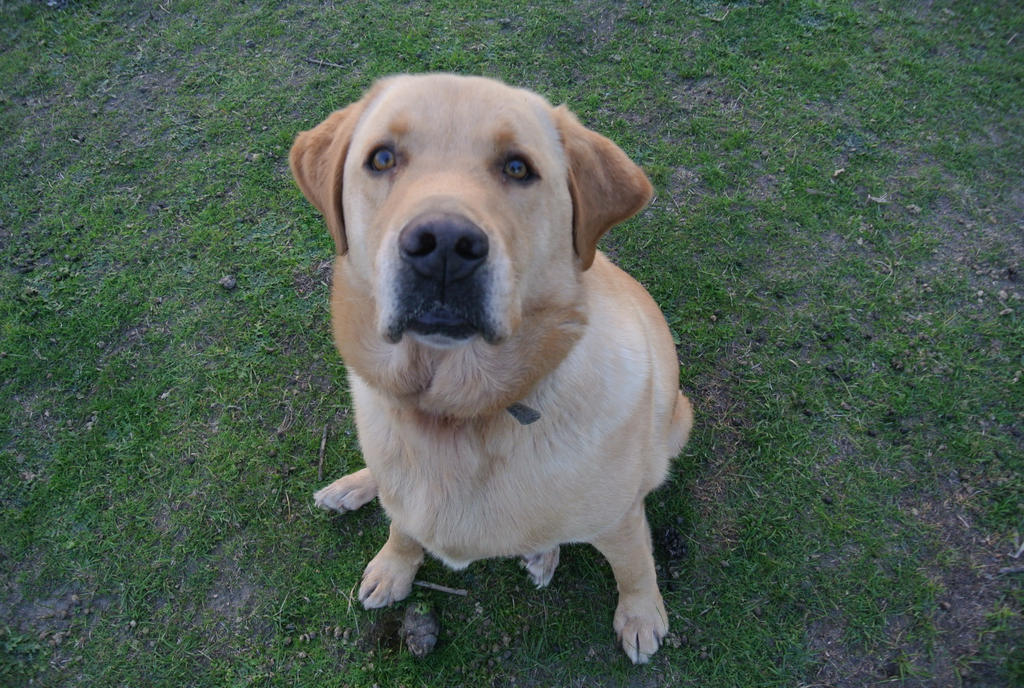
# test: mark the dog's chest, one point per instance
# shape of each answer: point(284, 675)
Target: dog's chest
point(467, 496)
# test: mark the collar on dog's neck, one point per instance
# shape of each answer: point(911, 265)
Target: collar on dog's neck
point(523, 413)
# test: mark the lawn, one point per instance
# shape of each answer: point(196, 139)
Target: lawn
point(836, 241)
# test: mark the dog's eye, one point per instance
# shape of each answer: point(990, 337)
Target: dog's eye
point(382, 159)
point(516, 168)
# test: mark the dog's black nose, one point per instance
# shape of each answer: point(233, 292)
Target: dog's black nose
point(445, 248)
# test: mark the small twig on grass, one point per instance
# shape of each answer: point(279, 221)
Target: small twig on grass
point(1008, 570)
point(441, 588)
point(719, 19)
point(324, 63)
point(675, 203)
point(351, 596)
point(671, 197)
point(287, 422)
point(320, 464)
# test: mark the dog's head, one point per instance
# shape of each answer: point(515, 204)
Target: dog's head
point(463, 204)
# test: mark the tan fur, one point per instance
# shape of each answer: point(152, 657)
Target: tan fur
point(577, 340)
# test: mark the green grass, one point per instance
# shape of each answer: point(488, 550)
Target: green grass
point(854, 484)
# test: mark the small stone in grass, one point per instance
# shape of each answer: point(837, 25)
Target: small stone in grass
point(228, 282)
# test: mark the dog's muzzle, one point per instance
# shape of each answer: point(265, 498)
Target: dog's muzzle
point(442, 284)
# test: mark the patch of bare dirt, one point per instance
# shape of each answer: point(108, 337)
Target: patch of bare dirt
point(33, 429)
point(839, 668)
point(234, 601)
point(315, 279)
point(964, 566)
point(966, 572)
point(57, 616)
point(685, 187)
point(969, 226)
point(709, 93)
point(129, 339)
point(600, 20)
point(764, 187)
point(721, 422)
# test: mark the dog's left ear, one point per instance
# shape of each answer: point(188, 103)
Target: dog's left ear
point(317, 160)
point(606, 186)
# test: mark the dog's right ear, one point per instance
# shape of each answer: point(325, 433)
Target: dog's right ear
point(317, 160)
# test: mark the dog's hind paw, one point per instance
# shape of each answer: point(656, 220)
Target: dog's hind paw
point(348, 493)
point(541, 566)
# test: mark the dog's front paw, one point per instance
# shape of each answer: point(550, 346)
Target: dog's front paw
point(387, 579)
point(641, 623)
point(348, 493)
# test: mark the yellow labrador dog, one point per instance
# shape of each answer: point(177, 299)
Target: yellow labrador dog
point(513, 389)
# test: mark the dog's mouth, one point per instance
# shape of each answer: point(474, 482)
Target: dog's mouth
point(440, 322)
point(444, 321)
